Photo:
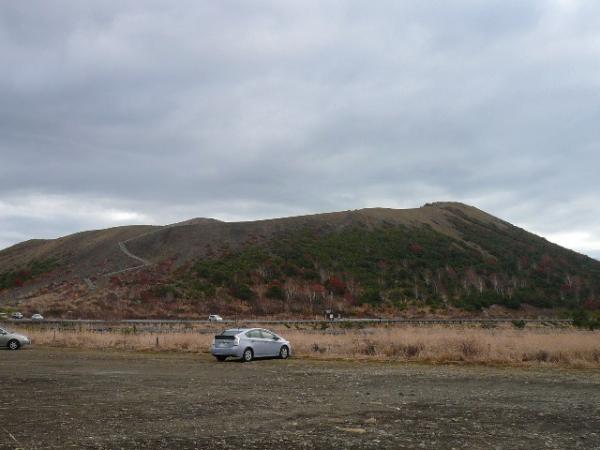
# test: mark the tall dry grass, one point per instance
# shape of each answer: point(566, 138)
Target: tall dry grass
point(171, 341)
point(560, 347)
point(565, 347)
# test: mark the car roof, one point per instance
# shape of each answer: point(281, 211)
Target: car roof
point(242, 330)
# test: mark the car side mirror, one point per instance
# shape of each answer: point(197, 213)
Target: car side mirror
point(275, 338)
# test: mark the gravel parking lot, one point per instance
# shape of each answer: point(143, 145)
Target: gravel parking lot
point(62, 398)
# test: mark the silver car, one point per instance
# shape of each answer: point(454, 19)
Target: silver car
point(13, 341)
point(250, 343)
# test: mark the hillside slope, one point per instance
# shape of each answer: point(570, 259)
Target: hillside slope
point(440, 257)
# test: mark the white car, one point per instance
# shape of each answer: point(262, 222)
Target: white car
point(250, 343)
point(13, 341)
point(215, 318)
point(37, 317)
point(16, 315)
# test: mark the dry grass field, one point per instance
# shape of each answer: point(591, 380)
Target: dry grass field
point(564, 347)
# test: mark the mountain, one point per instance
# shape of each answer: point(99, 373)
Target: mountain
point(442, 258)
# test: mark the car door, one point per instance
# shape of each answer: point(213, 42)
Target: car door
point(270, 343)
point(256, 342)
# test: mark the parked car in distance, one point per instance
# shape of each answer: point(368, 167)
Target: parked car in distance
point(16, 315)
point(14, 341)
point(215, 318)
point(249, 343)
point(37, 317)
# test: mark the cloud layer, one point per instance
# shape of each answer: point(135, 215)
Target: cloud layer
point(155, 112)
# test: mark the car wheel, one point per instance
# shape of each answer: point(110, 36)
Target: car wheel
point(248, 355)
point(13, 344)
point(221, 358)
point(284, 352)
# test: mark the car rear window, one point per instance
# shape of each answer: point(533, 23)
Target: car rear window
point(224, 337)
point(227, 334)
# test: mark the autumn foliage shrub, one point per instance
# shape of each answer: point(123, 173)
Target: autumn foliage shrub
point(335, 286)
point(275, 291)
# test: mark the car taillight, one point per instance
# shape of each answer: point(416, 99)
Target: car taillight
point(237, 340)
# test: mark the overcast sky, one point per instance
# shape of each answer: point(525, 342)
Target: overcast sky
point(119, 112)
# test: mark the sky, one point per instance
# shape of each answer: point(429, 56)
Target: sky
point(127, 112)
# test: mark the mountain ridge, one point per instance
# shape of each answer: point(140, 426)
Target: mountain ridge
point(382, 260)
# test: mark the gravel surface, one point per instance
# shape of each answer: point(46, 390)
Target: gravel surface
point(61, 398)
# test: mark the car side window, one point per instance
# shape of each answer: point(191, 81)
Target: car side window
point(253, 334)
point(267, 335)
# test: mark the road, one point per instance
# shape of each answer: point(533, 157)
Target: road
point(244, 322)
point(61, 398)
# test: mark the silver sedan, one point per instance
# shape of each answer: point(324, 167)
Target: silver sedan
point(250, 343)
point(14, 341)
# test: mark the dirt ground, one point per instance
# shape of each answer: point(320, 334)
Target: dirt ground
point(60, 398)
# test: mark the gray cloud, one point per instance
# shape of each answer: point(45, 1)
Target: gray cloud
point(120, 112)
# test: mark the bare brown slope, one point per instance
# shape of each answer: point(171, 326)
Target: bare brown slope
point(89, 252)
point(211, 237)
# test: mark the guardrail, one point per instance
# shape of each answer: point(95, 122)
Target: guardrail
point(419, 321)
